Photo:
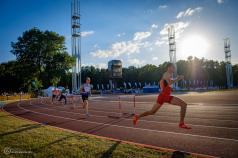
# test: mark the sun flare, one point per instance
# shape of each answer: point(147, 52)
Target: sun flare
point(194, 45)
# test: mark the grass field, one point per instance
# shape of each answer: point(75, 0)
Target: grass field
point(21, 138)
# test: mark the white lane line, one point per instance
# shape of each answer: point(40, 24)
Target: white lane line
point(190, 105)
point(117, 113)
point(150, 102)
point(193, 105)
point(134, 128)
point(142, 120)
point(204, 111)
point(149, 107)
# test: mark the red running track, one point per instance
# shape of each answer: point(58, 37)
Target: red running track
point(214, 126)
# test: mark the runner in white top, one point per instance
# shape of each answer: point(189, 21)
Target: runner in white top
point(85, 91)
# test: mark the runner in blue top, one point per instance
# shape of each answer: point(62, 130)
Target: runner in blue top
point(85, 91)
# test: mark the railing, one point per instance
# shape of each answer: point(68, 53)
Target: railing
point(14, 97)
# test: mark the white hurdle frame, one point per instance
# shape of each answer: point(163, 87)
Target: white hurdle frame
point(40, 99)
point(120, 105)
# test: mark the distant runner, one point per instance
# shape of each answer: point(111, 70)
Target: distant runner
point(62, 95)
point(55, 94)
point(85, 92)
point(165, 97)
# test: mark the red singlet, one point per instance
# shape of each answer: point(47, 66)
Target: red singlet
point(55, 92)
point(165, 94)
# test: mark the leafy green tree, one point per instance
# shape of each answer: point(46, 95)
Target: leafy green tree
point(41, 55)
point(9, 77)
point(235, 74)
point(149, 73)
point(55, 81)
point(42, 60)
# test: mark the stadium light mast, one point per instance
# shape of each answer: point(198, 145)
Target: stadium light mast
point(76, 44)
point(172, 49)
point(227, 50)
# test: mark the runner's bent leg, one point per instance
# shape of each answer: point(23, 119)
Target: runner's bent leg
point(65, 99)
point(154, 109)
point(183, 106)
point(83, 102)
point(52, 99)
point(86, 106)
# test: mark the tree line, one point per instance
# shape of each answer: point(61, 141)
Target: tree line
point(193, 69)
point(42, 60)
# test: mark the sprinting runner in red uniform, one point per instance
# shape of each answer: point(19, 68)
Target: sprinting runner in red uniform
point(165, 97)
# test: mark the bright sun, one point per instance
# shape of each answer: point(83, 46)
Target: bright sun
point(194, 45)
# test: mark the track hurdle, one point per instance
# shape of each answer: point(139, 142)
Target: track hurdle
point(126, 106)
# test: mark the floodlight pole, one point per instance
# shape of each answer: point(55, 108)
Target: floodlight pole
point(76, 44)
point(227, 50)
point(172, 50)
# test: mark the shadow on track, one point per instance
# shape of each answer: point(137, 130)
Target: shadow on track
point(38, 149)
point(96, 129)
point(179, 154)
point(109, 152)
point(25, 128)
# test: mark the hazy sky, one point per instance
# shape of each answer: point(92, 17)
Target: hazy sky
point(134, 31)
